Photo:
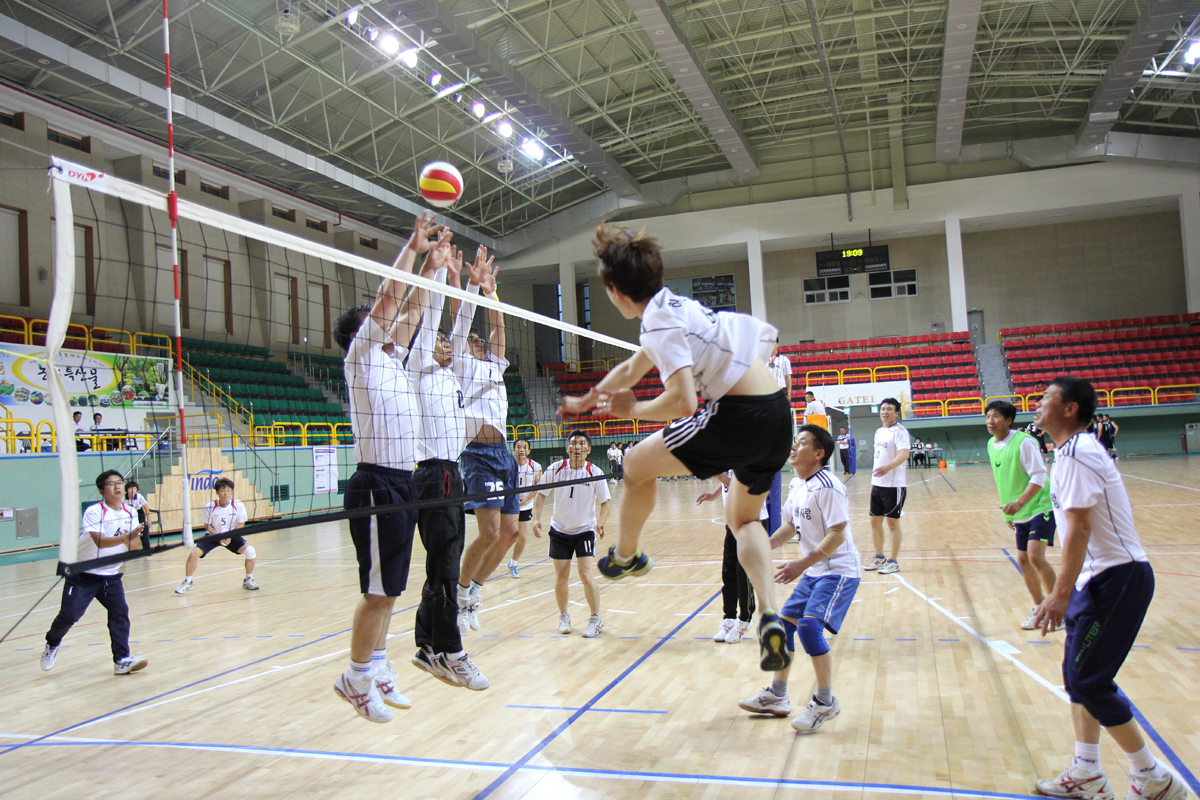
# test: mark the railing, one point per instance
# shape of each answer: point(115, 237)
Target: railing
point(809, 380)
point(21, 327)
point(150, 449)
point(916, 406)
point(122, 338)
point(1020, 404)
point(884, 372)
point(153, 344)
point(76, 333)
point(849, 374)
point(592, 365)
point(551, 427)
point(527, 430)
point(314, 433)
point(1177, 396)
point(613, 427)
point(963, 405)
point(222, 400)
point(1135, 394)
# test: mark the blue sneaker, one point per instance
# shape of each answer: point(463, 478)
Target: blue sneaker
point(512, 570)
point(610, 567)
point(772, 643)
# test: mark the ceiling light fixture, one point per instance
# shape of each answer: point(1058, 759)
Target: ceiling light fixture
point(409, 57)
point(505, 128)
point(352, 16)
point(435, 79)
point(389, 44)
point(1193, 53)
point(531, 148)
point(478, 109)
point(372, 32)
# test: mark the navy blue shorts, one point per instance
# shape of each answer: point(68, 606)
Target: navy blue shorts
point(236, 543)
point(826, 598)
point(382, 542)
point(490, 468)
point(1040, 528)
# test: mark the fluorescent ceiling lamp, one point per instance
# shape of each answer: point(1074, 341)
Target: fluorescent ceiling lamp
point(389, 44)
point(504, 129)
point(435, 79)
point(409, 57)
point(531, 148)
point(478, 109)
point(451, 89)
point(352, 16)
point(372, 32)
point(1193, 53)
point(495, 115)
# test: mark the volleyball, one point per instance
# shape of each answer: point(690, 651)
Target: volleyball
point(440, 184)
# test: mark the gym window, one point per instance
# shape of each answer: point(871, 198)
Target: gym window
point(317, 225)
point(216, 191)
point(288, 214)
point(897, 283)
point(827, 290)
point(75, 143)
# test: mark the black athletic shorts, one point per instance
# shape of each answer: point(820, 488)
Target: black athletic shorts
point(750, 435)
point(236, 543)
point(887, 501)
point(382, 542)
point(580, 545)
point(1039, 528)
point(525, 515)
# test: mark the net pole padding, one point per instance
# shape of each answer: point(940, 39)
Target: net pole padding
point(60, 317)
point(135, 193)
point(173, 214)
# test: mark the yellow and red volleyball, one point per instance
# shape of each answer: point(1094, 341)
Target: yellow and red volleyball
point(440, 183)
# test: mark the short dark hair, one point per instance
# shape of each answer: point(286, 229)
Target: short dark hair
point(220, 483)
point(630, 263)
point(890, 401)
point(97, 414)
point(104, 476)
point(131, 485)
point(824, 440)
point(348, 323)
point(1008, 410)
point(1077, 390)
point(579, 432)
point(807, 392)
point(77, 414)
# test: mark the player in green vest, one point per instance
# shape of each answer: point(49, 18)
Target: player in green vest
point(1024, 497)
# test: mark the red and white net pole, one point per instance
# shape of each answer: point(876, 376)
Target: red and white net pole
point(173, 213)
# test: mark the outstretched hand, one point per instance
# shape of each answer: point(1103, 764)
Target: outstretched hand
point(424, 228)
point(788, 572)
point(487, 283)
point(481, 267)
point(571, 407)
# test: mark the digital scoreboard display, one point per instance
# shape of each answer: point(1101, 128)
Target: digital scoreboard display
point(851, 260)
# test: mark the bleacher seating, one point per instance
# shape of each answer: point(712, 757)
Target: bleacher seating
point(1127, 354)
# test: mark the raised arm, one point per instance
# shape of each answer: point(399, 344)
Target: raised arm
point(623, 376)
point(487, 286)
point(464, 313)
point(407, 316)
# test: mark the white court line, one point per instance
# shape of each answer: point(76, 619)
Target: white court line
point(618, 611)
point(1164, 483)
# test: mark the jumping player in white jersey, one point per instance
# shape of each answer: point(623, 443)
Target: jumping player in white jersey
point(816, 510)
point(888, 487)
point(1102, 592)
point(746, 424)
point(222, 516)
point(487, 466)
point(529, 472)
point(574, 526)
point(385, 419)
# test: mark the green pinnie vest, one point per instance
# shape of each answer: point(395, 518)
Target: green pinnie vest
point(1011, 478)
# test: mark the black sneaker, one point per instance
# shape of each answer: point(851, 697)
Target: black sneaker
point(772, 643)
point(435, 665)
point(610, 568)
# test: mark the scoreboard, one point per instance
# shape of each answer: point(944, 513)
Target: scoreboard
point(852, 260)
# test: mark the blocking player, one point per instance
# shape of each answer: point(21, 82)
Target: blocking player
point(487, 465)
point(888, 484)
point(746, 424)
point(737, 595)
point(223, 515)
point(816, 510)
point(385, 419)
point(529, 472)
point(1020, 477)
point(574, 526)
point(1102, 592)
point(109, 527)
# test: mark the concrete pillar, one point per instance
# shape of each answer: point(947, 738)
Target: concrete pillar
point(1189, 226)
point(570, 311)
point(758, 292)
point(958, 281)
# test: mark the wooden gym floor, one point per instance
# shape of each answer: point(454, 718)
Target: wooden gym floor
point(942, 694)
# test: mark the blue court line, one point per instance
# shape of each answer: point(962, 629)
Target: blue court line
point(554, 734)
point(1016, 566)
point(1190, 649)
point(948, 640)
point(577, 708)
point(638, 637)
point(948, 483)
point(667, 777)
point(1038, 641)
point(906, 640)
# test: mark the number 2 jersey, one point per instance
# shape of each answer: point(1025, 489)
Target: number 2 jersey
point(575, 506)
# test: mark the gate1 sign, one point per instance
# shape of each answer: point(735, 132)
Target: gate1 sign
point(862, 394)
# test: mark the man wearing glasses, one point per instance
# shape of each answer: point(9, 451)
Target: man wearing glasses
point(108, 528)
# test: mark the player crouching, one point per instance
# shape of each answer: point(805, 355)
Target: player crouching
point(816, 509)
point(221, 516)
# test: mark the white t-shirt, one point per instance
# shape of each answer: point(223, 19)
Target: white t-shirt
point(888, 443)
point(385, 414)
point(574, 506)
point(814, 406)
point(762, 512)
point(781, 368)
point(1085, 477)
point(843, 441)
point(438, 389)
point(1031, 461)
point(527, 474)
point(614, 453)
point(136, 502)
point(813, 507)
point(99, 518)
point(485, 398)
point(679, 332)
point(223, 518)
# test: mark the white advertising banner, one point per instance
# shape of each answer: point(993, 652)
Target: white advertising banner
point(862, 394)
point(325, 470)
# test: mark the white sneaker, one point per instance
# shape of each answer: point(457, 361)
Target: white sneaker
point(814, 715)
point(564, 622)
point(184, 587)
point(385, 681)
point(129, 664)
point(435, 665)
point(1075, 781)
point(594, 627)
point(766, 702)
point(889, 567)
point(723, 631)
point(473, 612)
point(1029, 624)
point(464, 624)
point(1142, 787)
point(466, 673)
point(513, 572)
point(743, 628)
point(49, 655)
point(735, 633)
point(364, 696)
point(875, 563)
point(249, 584)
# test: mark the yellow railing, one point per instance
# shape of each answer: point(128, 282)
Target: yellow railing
point(153, 344)
point(1173, 390)
point(526, 430)
point(76, 334)
point(1133, 391)
point(808, 376)
point(593, 365)
point(223, 401)
point(1020, 404)
point(549, 427)
point(123, 338)
point(846, 373)
point(913, 405)
point(317, 433)
point(11, 437)
point(963, 405)
point(344, 433)
point(885, 372)
point(614, 427)
point(881, 373)
point(21, 326)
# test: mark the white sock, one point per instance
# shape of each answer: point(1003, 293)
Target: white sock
point(378, 660)
point(1144, 762)
point(459, 656)
point(512, 562)
point(1088, 756)
point(475, 587)
point(359, 670)
point(250, 575)
point(464, 592)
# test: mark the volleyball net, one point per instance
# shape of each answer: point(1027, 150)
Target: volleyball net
point(255, 389)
